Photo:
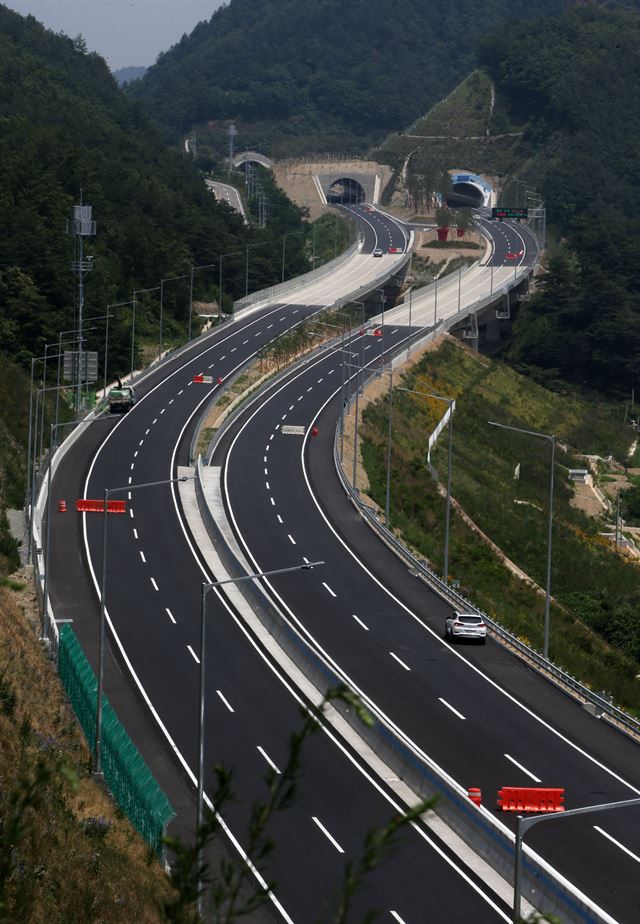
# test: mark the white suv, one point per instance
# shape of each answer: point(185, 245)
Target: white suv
point(465, 625)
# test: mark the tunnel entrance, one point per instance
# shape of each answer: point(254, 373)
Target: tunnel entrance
point(465, 195)
point(345, 190)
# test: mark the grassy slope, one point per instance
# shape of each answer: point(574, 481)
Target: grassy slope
point(77, 858)
point(484, 460)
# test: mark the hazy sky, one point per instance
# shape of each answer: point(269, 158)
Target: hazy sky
point(125, 32)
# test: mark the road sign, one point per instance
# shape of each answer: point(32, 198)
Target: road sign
point(503, 212)
point(89, 371)
point(291, 430)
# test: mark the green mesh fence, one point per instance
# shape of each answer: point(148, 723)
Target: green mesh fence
point(125, 772)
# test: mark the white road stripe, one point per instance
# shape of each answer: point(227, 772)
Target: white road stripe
point(170, 615)
point(181, 390)
point(225, 701)
point(162, 411)
point(524, 769)
point(142, 555)
point(284, 417)
point(172, 400)
point(266, 471)
point(130, 508)
point(133, 465)
point(268, 759)
point(292, 407)
point(291, 539)
point(190, 383)
point(401, 663)
point(234, 349)
point(264, 459)
point(358, 620)
point(273, 503)
point(449, 706)
point(626, 850)
point(154, 584)
point(279, 518)
point(155, 421)
point(136, 453)
point(310, 388)
point(330, 371)
point(130, 480)
point(135, 533)
point(146, 432)
point(326, 586)
point(271, 437)
point(266, 484)
point(327, 835)
point(141, 442)
point(193, 654)
point(396, 916)
point(129, 498)
point(244, 342)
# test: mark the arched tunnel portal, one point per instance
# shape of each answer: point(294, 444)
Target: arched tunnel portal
point(345, 190)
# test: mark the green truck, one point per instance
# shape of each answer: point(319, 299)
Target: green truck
point(121, 398)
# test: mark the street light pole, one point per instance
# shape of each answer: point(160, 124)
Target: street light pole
point(206, 587)
point(193, 270)
point(523, 825)
point(547, 600)
point(162, 282)
point(388, 492)
point(97, 760)
point(134, 302)
point(235, 253)
point(452, 406)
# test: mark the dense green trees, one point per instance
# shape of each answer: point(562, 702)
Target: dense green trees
point(571, 81)
point(314, 75)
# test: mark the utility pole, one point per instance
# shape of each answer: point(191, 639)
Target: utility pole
point(80, 226)
point(232, 132)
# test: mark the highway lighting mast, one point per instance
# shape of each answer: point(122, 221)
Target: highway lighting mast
point(232, 132)
point(80, 226)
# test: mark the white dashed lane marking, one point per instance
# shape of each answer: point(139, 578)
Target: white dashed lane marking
point(450, 707)
point(280, 520)
point(291, 539)
point(155, 586)
point(524, 769)
point(326, 586)
point(225, 701)
point(193, 654)
point(360, 622)
point(401, 663)
point(327, 835)
point(268, 759)
point(170, 615)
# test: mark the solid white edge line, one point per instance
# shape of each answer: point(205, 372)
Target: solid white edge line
point(156, 715)
point(531, 775)
point(436, 635)
point(326, 833)
point(617, 843)
point(449, 706)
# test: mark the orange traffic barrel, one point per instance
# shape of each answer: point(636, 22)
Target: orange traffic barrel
point(475, 795)
point(62, 506)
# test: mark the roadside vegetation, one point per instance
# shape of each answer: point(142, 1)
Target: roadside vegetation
point(595, 624)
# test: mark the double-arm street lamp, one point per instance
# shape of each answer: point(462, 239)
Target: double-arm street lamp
point(134, 301)
point(452, 405)
point(246, 267)
point(284, 246)
point(162, 282)
point(206, 587)
point(97, 762)
point(550, 437)
point(193, 270)
point(235, 253)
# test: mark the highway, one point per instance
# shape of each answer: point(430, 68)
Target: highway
point(154, 636)
point(486, 719)
point(228, 194)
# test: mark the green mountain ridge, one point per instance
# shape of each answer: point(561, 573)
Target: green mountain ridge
point(308, 76)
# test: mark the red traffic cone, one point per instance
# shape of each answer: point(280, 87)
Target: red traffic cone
point(62, 506)
point(475, 795)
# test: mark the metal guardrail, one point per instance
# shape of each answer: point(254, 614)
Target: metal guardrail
point(601, 705)
point(475, 825)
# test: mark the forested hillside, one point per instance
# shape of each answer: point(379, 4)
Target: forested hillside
point(66, 131)
point(572, 81)
point(308, 75)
